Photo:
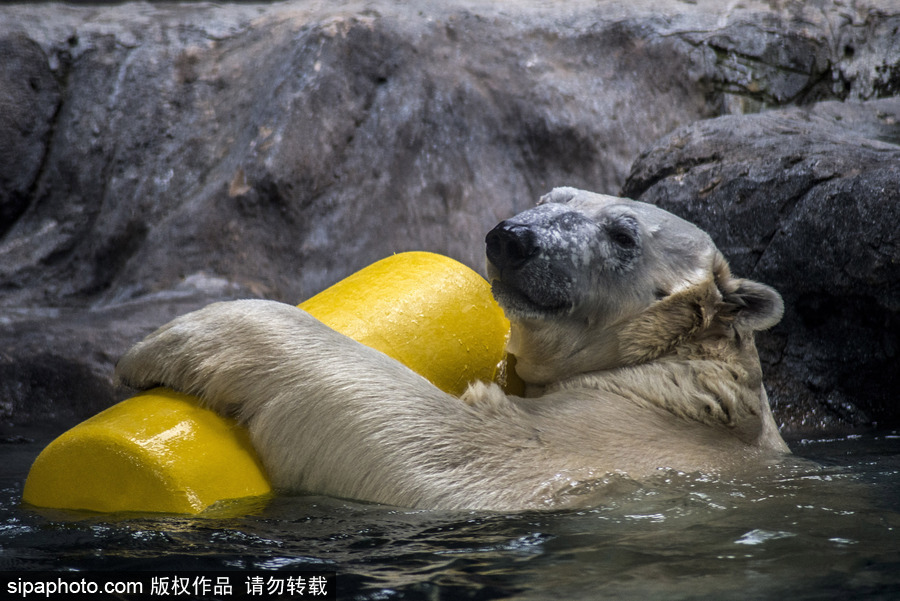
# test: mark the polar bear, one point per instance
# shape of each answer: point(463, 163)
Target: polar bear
point(635, 342)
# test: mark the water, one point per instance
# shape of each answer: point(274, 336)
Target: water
point(828, 528)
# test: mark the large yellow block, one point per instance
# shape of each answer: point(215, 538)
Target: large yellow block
point(161, 451)
point(431, 313)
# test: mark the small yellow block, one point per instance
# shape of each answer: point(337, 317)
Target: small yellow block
point(161, 451)
point(158, 451)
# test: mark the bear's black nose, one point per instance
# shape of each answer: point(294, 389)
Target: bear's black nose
point(511, 245)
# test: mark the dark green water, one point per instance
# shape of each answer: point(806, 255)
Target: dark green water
point(824, 529)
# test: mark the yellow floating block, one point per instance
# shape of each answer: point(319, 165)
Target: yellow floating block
point(428, 311)
point(160, 451)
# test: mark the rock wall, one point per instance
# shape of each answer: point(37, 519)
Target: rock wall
point(155, 157)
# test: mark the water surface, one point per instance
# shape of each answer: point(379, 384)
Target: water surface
point(827, 528)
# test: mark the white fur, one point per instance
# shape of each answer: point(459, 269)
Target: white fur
point(331, 416)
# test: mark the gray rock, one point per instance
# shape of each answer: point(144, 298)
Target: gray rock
point(807, 200)
point(29, 99)
point(276, 148)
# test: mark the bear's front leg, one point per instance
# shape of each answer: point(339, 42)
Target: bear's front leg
point(221, 352)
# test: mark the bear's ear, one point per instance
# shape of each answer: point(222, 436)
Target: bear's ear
point(756, 306)
point(558, 195)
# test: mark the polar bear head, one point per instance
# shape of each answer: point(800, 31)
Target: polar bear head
point(592, 282)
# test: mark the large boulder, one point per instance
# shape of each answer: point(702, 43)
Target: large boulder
point(156, 157)
point(807, 200)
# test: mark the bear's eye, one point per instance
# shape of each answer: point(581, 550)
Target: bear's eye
point(623, 238)
point(624, 232)
point(623, 235)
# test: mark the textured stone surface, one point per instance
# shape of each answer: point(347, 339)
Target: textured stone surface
point(198, 151)
point(29, 97)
